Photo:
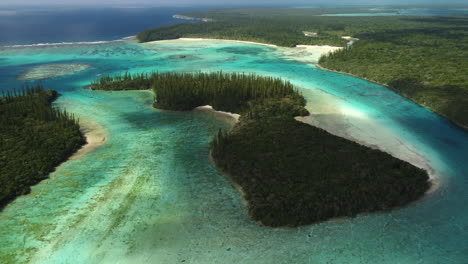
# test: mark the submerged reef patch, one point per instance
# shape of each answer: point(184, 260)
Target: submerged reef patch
point(47, 71)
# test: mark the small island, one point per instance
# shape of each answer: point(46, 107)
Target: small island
point(34, 139)
point(290, 173)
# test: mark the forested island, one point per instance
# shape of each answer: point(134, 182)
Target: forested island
point(34, 139)
point(423, 58)
point(291, 173)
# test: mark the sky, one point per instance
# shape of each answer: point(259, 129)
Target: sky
point(222, 3)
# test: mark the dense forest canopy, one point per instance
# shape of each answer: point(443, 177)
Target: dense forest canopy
point(424, 58)
point(34, 139)
point(232, 92)
point(292, 173)
point(295, 174)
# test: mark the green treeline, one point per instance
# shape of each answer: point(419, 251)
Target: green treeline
point(292, 173)
point(34, 139)
point(254, 25)
point(259, 31)
point(423, 58)
point(123, 82)
point(428, 64)
point(232, 92)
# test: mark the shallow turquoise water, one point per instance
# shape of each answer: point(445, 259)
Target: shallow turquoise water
point(151, 195)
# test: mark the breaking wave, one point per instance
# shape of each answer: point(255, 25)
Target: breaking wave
point(68, 43)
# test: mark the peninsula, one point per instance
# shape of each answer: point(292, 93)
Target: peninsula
point(35, 138)
point(291, 173)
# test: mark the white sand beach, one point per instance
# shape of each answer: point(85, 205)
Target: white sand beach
point(303, 53)
point(307, 53)
point(231, 40)
point(95, 136)
point(232, 117)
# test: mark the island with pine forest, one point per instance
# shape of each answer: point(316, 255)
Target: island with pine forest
point(35, 138)
point(290, 173)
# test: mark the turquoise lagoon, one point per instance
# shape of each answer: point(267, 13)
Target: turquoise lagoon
point(151, 195)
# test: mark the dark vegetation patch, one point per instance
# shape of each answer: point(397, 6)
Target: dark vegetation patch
point(292, 173)
point(423, 58)
point(34, 139)
point(295, 174)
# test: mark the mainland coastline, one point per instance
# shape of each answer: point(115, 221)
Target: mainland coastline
point(444, 92)
point(454, 122)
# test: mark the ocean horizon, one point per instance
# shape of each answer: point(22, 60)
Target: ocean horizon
point(71, 25)
point(27, 26)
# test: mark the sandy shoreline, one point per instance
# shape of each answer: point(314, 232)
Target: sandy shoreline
point(328, 113)
point(414, 158)
point(304, 53)
point(95, 136)
point(242, 41)
point(232, 117)
point(311, 54)
point(465, 127)
point(227, 40)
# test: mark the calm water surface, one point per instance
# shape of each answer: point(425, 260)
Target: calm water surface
point(151, 195)
point(32, 25)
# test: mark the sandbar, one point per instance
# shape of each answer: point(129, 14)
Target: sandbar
point(95, 136)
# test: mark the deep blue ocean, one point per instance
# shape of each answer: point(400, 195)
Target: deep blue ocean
point(22, 26)
point(33, 25)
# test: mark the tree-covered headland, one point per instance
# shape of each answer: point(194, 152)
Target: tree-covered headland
point(423, 58)
point(292, 173)
point(34, 139)
point(232, 92)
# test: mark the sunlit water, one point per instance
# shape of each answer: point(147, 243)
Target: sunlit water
point(151, 195)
